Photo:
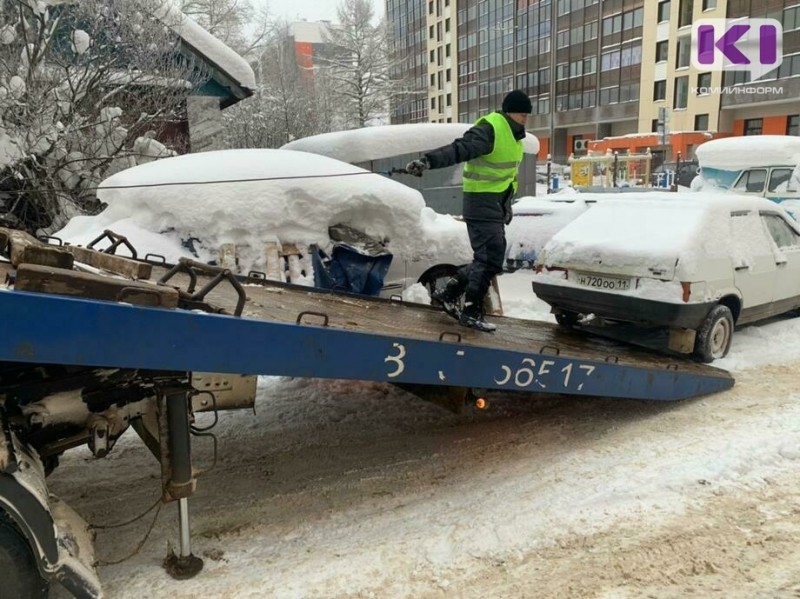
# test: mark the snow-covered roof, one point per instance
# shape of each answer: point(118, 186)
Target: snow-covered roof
point(249, 197)
point(737, 153)
point(309, 32)
point(386, 141)
point(200, 41)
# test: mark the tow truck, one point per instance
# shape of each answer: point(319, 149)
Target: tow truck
point(94, 344)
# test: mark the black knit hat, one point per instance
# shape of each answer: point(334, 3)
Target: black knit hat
point(517, 101)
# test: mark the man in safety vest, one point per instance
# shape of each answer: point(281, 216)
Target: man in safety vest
point(492, 150)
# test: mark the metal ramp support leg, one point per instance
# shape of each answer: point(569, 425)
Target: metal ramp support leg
point(180, 482)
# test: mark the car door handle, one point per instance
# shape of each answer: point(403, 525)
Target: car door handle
point(780, 263)
point(738, 268)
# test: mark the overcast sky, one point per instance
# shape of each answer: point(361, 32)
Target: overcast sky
point(313, 10)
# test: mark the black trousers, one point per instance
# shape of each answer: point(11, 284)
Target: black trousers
point(488, 241)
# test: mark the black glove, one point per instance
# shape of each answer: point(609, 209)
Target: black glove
point(417, 167)
point(508, 213)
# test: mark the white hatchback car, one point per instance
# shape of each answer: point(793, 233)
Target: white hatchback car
point(697, 263)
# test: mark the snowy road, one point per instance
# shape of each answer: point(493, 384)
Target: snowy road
point(342, 489)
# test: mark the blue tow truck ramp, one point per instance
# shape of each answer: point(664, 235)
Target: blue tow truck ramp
point(113, 353)
point(293, 331)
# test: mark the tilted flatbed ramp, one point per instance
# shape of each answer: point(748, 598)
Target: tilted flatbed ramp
point(294, 331)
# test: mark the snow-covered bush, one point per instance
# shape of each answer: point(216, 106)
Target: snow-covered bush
point(80, 83)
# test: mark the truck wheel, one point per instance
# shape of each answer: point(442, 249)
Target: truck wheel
point(714, 335)
point(20, 575)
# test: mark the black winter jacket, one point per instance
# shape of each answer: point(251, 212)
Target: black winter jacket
point(478, 141)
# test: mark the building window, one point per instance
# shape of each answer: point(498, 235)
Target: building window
point(709, 4)
point(793, 125)
point(681, 92)
point(446, 25)
point(753, 126)
point(654, 125)
point(791, 18)
point(685, 13)
point(430, 8)
point(447, 75)
point(433, 103)
point(450, 100)
point(701, 122)
point(447, 50)
point(433, 80)
point(660, 90)
point(663, 11)
point(683, 54)
point(703, 84)
point(662, 51)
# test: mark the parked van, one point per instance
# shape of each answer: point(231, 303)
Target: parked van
point(763, 165)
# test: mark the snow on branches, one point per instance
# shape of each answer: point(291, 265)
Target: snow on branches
point(80, 82)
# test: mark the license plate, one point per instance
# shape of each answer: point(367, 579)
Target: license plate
point(602, 282)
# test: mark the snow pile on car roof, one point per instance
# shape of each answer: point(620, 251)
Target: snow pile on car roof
point(248, 197)
point(737, 153)
point(386, 141)
point(651, 231)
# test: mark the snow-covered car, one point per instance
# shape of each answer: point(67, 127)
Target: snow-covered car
point(388, 148)
point(697, 263)
point(259, 202)
point(763, 165)
point(537, 219)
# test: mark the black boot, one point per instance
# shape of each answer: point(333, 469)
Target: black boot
point(449, 296)
point(472, 317)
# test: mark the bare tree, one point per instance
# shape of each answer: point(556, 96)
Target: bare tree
point(82, 87)
point(237, 23)
point(360, 63)
point(286, 104)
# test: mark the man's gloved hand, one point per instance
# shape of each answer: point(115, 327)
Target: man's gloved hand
point(508, 213)
point(417, 167)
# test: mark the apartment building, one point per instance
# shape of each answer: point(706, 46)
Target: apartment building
point(603, 74)
point(579, 60)
point(307, 39)
point(409, 29)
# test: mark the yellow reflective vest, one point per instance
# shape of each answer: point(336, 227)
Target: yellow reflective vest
point(494, 172)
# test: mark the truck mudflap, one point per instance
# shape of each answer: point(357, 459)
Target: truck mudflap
point(60, 540)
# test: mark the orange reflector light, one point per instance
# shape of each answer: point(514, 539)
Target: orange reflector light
point(481, 403)
point(687, 291)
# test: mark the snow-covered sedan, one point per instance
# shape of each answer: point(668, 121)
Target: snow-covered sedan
point(697, 263)
point(260, 204)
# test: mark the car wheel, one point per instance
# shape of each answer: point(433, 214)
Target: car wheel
point(714, 335)
point(567, 319)
point(20, 575)
point(436, 276)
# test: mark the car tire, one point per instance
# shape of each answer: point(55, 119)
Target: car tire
point(21, 576)
point(567, 319)
point(437, 275)
point(714, 335)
